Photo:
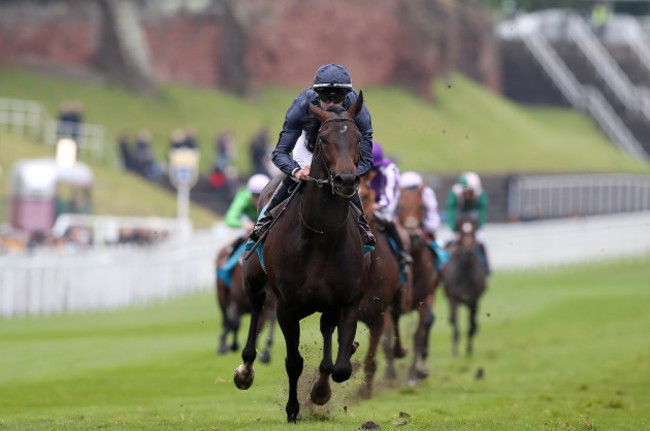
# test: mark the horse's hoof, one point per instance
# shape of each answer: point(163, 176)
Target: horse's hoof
point(320, 394)
point(413, 382)
point(342, 374)
point(265, 357)
point(244, 376)
point(223, 349)
point(422, 374)
point(234, 347)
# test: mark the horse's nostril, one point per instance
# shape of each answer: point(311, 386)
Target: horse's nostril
point(347, 180)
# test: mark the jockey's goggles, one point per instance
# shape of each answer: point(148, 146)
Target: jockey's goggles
point(328, 95)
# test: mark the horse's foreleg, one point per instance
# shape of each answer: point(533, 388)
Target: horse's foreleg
point(371, 358)
point(245, 373)
point(223, 343)
point(453, 308)
point(265, 356)
point(347, 330)
point(293, 362)
point(321, 392)
point(399, 351)
point(223, 297)
point(473, 328)
point(418, 338)
point(235, 321)
point(427, 318)
point(390, 325)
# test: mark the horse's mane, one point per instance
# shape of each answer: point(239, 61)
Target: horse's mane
point(312, 126)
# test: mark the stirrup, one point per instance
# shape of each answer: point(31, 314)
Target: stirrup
point(260, 228)
point(405, 258)
point(367, 236)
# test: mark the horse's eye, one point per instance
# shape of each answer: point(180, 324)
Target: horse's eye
point(323, 140)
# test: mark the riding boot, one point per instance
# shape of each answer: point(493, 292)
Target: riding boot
point(484, 258)
point(263, 223)
point(404, 256)
point(366, 233)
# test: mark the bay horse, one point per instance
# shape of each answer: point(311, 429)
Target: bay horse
point(313, 259)
point(425, 280)
point(465, 280)
point(381, 302)
point(234, 304)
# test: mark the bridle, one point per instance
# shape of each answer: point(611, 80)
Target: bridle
point(330, 178)
point(320, 182)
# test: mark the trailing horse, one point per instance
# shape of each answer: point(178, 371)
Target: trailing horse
point(313, 259)
point(381, 301)
point(425, 279)
point(465, 280)
point(234, 303)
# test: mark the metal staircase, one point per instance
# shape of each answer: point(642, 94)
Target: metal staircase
point(537, 33)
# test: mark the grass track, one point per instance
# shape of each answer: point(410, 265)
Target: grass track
point(566, 349)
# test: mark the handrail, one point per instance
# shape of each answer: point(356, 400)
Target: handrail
point(581, 97)
point(627, 93)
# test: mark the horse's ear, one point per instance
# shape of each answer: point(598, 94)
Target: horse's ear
point(370, 175)
point(318, 112)
point(355, 108)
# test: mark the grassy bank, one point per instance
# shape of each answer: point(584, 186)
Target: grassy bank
point(466, 127)
point(563, 349)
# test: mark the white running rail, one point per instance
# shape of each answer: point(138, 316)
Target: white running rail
point(54, 281)
point(548, 196)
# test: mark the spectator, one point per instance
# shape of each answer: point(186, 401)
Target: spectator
point(126, 155)
point(177, 140)
point(600, 16)
point(190, 138)
point(259, 151)
point(224, 149)
point(146, 165)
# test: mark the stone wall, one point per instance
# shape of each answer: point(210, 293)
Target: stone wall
point(240, 45)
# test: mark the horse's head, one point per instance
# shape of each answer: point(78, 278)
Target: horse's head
point(338, 147)
point(410, 208)
point(466, 226)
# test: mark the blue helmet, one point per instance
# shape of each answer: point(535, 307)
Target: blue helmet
point(332, 76)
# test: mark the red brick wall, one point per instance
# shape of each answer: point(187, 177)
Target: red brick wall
point(287, 41)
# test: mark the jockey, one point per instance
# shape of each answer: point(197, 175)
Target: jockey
point(331, 86)
point(465, 197)
point(385, 184)
point(240, 214)
point(430, 215)
point(243, 209)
